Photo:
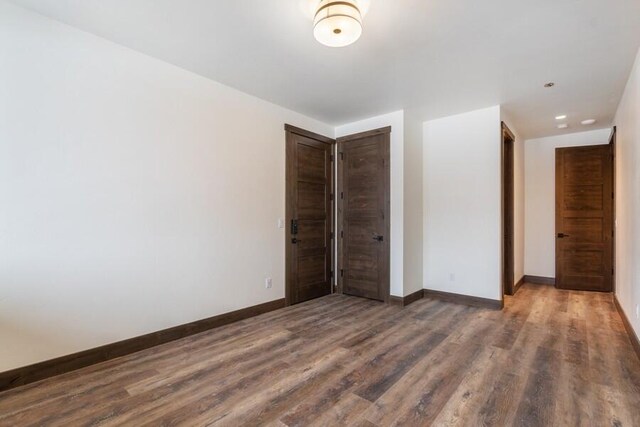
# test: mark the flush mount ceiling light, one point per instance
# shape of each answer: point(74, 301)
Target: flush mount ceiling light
point(563, 126)
point(337, 23)
point(588, 122)
point(561, 117)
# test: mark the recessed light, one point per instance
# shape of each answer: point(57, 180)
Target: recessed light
point(550, 84)
point(562, 117)
point(563, 126)
point(588, 122)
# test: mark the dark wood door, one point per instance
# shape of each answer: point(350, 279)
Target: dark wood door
point(309, 215)
point(584, 218)
point(363, 214)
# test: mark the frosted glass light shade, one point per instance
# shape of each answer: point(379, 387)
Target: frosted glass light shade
point(337, 23)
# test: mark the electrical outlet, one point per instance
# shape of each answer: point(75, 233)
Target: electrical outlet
point(280, 223)
point(268, 283)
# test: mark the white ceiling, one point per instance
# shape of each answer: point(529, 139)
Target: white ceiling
point(438, 56)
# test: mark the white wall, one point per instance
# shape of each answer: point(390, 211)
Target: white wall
point(462, 204)
point(628, 199)
point(540, 197)
point(518, 200)
point(413, 214)
point(135, 195)
point(396, 121)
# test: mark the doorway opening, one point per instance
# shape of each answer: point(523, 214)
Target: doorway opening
point(508, 211)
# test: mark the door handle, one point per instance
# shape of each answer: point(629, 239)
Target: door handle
point(295, 240)
point(378, 238)
point(562, 235)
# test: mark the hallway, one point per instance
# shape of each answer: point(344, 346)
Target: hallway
point(549, 358)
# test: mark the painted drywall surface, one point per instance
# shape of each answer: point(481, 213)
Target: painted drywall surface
point(396, 121)
point(462, 204)
point(413, 233)
point(135, 195)
point(518, 200)
point(519, 219)
point(540, 197)
point(628, 199)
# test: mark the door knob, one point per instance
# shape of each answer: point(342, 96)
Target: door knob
point(562, 235)
point(295, 240)
point(378, 238)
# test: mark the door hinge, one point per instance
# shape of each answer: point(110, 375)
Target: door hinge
point(342, 234)
point(341, 155)
point(342, 195)
point(613, 272)
point(331, 157)
point(341, 273)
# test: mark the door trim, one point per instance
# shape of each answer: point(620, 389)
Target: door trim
point(387, 205)
point(309, 134)
point(364, 134)
point(612, 144)
point(508, 210)
point(289, 131)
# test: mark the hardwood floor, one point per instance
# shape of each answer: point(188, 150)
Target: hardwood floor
point(549, 358)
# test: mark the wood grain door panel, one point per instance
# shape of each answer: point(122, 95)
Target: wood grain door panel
point(584, 230)
point(362, 271)
point(583, 198)
point(309, 188)
point(584, 218)
point(312, 276)
point(312, 236)
point(363, 214)
point(311, 198)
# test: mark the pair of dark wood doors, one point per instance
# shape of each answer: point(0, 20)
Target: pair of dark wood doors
point(584, 218)
point(363, 223)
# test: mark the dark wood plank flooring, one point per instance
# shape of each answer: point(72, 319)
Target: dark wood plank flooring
point(549, 358)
